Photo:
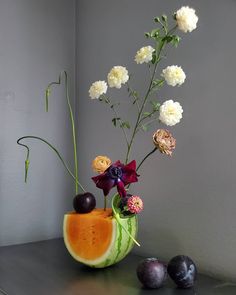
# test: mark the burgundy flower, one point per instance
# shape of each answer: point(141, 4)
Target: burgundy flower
point(118, 175)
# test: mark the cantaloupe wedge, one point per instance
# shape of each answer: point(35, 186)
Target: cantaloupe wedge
point(97, 239)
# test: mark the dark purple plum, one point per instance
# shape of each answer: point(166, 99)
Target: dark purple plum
point(182, 271)
point(151, 273)
point(84, 203)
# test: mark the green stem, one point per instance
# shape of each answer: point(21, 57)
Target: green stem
point(144, 101)
point(159, 49)
point(149, 154)
point(117, 217)
point(105, 203)
point(134, 97)
point(54, 149)
point(71, 119)
point(108, 101)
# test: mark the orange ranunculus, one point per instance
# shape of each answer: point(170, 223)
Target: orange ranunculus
point(101, 163)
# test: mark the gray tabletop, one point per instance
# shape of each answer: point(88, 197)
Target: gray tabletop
point(45, 268)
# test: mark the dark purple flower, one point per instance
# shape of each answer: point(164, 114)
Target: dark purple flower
point(118, 175)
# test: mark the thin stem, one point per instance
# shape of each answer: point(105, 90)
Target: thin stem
point(144, 102)
point(108, 101)
point(54, 149)
point(118, 219)
point(159, 49)
point(149, 154)
point(147, 123)
point(132, 94)
point(71, 119)
point(105, 203)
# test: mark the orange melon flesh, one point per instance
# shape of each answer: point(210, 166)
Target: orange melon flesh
point(96, 238)
point(84, 234)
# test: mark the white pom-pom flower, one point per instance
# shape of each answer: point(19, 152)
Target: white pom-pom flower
point(170, 113)
point(186, 19)
point(117, 76)
point(174, 75)
point(144, 54)
point(97, 89)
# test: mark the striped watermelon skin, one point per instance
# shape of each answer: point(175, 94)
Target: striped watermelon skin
point(120, 246)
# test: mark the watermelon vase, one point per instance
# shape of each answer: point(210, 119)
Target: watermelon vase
point(101, 237)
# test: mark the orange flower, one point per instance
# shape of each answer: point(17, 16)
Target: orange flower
point(164, 141)
point(101, 163)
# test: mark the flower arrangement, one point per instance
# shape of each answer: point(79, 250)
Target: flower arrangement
point(169, 112)
point(149, 112)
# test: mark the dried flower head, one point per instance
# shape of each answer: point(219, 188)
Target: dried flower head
point(135, 204)
point(164, 141)
point(101, 163)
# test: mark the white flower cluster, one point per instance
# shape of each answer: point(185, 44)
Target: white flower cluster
point(97, 89)
point(186, 19)
point(144, 54)
point(170, 112)
point(174, 75)
point(117, 76)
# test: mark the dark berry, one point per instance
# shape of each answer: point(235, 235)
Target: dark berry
point(84, 203)
point(182, 271)
point(152, 273)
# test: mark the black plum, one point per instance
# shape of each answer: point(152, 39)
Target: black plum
point(182, 271)
point(84, 203)
point(151, 273)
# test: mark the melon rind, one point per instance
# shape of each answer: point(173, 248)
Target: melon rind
point(121, 243)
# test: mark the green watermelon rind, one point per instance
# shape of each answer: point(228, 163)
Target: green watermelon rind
point(120, 246)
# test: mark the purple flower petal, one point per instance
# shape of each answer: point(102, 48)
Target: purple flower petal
point(121, 189)
point(104, 182)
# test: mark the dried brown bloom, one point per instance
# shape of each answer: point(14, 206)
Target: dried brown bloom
point(164, 141)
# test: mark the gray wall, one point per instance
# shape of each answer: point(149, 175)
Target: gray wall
point(190, 201)
point(37, 41)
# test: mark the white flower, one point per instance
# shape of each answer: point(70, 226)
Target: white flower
point(186, 19)
point(118, 75)
point(174, 75)
point(170, 113)
point(97, 89)
point(144, 54)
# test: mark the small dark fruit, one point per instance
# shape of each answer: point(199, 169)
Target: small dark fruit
point(152, 273)
point(182, 271)
point(84, 203)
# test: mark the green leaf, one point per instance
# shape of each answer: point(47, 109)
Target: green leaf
point(175, 41)
point(157, 19)
point(167, 38)
point(146, 114)
point(155, 33)
point(164, 18)
point(125, 124)
point(154, 58)
point(144, 127)
point(157, 84)
point(114, 121)
point(133, 93)
point(114, 104)
point(147, 35)
point(155, 105)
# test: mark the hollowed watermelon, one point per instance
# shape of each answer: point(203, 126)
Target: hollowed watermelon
point(97, 239)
